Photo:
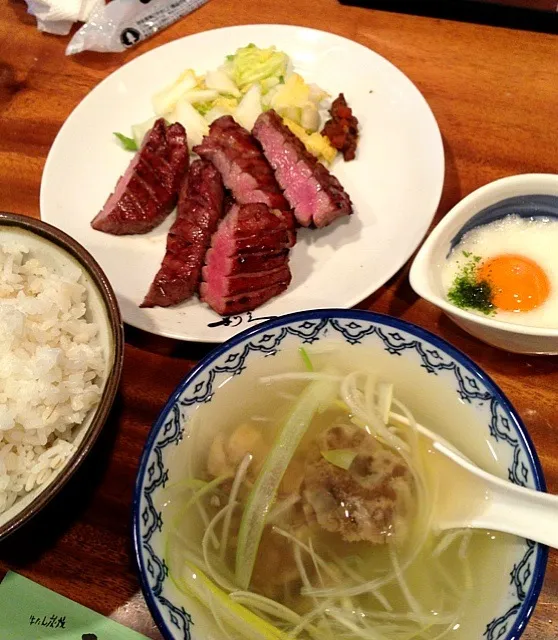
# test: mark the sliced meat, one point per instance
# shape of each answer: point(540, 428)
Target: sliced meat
point(246, 235)
point(242, 165)
point(254, 230)
point(369, 501)
point(270, 241)
point(247, 262)
point(242, 302)
point(200, 206)
point(260, 221)
point(231, 285)
point(315, 195)
point(147, 192)
point(342, 128)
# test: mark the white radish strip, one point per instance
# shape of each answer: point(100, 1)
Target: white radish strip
point(190, 484)
point(311, 615)
point(445, 542)
point(219, 620)
point(315, 562)
point(205, 519)
point(384, 392)
point(215, 575)
point(360, 632)
point(369, 393)
point(425, 619)
point(306, 581)
point(346, 569)
point(359, 589)
point(382, 600)
point(359, 580)
point(306, 548)
point(355, 400)
point(448, 579)
point(411, 601)
point(196, 499)
point(237, 483)
point(413, 429)
point(283, 507)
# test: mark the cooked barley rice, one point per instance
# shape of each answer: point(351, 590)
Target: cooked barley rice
point(51, 368)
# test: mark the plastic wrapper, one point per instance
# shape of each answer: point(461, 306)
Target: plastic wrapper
point(123, 23)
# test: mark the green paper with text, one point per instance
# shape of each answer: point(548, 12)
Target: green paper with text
point(31, 612)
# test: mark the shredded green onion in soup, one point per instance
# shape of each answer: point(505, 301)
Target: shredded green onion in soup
point(357, 590)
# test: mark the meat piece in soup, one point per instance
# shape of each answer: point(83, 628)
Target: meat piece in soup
point(275, 571)
point(369, 500)
point(226, 453)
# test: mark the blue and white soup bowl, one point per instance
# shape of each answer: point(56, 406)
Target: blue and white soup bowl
point(435, 380)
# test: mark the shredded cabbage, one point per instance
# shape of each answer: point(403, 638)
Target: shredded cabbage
point(249, 108)
point(251, 64)
point(250, 81)
point(165, 101)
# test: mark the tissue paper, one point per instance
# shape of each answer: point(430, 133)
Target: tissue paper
point(58, 16)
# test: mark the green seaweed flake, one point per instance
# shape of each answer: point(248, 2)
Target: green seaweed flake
point(467, 292)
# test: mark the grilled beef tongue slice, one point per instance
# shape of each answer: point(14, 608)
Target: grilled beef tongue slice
point(315, 195)
point(147, 192)
point(239, 158)
point(247, 235)
point(200, 207)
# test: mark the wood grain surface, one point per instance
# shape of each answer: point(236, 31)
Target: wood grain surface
point(494, 92)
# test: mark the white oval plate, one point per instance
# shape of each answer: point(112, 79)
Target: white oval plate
point(395, 182)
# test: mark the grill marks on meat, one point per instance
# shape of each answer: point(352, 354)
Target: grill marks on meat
point(342, 128)
point(315, 195)
point(200, 206)
point(248, 263)
point(235, 285)
point(147, 192)
point(242, 165)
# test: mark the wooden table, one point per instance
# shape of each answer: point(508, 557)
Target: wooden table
point(495, 94)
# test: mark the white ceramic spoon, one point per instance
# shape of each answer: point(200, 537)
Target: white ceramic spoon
point(470, 498)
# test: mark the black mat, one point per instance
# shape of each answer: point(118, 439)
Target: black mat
point(469, 11)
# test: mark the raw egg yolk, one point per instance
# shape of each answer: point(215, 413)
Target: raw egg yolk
point(518, 283)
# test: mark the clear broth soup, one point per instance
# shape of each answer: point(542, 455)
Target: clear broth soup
point(350, 508)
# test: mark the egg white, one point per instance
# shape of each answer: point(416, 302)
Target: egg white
point(536, 239)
